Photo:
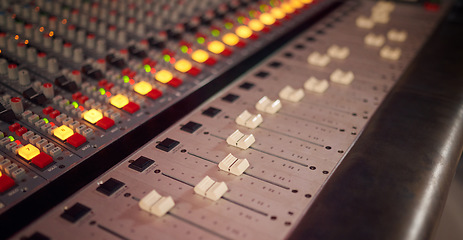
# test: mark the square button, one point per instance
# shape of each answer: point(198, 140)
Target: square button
point(110, 186)
point(28, 152)
point(76, 140)
point(105, 123)
point(247, 85)
point(141, 164)
point(5, 183)
point(63, 132)
point(167, 144)
point(154, 94)
point(275, 64)
point(76, 212)
point(211, 112)
point(230, 98)
point(42, 160)
point(191, 127)
point(131, 107)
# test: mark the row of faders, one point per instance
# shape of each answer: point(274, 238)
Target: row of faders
point(80, 74)
point(248, 163)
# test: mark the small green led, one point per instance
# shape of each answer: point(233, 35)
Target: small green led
point(11, 138)
point(147, 68)
point(166, 58)
point(126, 79)
point(76, 105)
point(228, 25)
point(102, 91)
point(215, 33)
point(46, 120)
point(200, 40)
point(184, 49)
point(251, 13)
point(240, 19)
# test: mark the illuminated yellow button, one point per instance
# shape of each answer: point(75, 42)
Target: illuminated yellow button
point(200, 56)
point(93, 116)
point(267, 19)
point(119, 101)
point(243, 32)
point(306, 1)
point(163, 76)
point(216, 47)
point(277, 13)
point(256, 25)
point(230, 39)
point(142, 88)
point(63, 132)
point(183, 65)
point(28, 152)
point(287, 8)
point(296, 4)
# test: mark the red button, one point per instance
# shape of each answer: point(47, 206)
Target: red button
point(13, 127)
point(254, 36)
point(54, 114)
point(210, 61)
point(108, 86)
point(175, 82)
point(267, 29)
point(154, 94)
point(5, 183)
point(194, 71)
point(76, 95)
point(103, 82)
point(241, 44)
point(131, 107)
point(47, 110)
point(226, 52)
point(21, 131)
point(105, 123)
point(125, 71)
point(42, 160)
point(76, 140)
point(82, 99)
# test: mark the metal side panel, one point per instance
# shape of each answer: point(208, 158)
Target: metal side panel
point(394, 182)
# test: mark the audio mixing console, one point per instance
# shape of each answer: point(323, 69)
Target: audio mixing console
point(246, 144)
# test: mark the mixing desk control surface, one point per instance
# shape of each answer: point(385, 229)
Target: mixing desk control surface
point(248, 162)
point(78, 76)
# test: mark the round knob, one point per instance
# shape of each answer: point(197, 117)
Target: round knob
point(24, 78)
point(12, 72)
point(48, 90)
point(16, 105)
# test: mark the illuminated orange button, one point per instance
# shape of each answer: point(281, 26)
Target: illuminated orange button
point(142, 88)
point(243, 32)
point(296, 4)
point(28, 152)
point(277, 13)
point(286, 8)
point(163, 76)
point(216, 47)
point(267, 19)
point(200, 56)
point(306, 1)
point(183, 65)
point(230, 39)
point(63, 132)
point(93, 116)
point(118, 101)
point(256, 25)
